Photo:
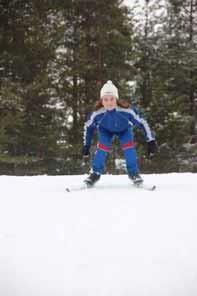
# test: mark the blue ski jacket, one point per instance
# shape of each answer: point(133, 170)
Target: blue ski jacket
point(115, 121)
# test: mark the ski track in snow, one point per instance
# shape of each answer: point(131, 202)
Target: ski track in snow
point(109, 240)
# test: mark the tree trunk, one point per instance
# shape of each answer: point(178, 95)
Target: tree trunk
point(191, 91)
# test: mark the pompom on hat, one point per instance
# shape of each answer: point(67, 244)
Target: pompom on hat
point(109, 89)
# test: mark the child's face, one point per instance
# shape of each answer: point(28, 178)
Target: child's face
point(109, 102)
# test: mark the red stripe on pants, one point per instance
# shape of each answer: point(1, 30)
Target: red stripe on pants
point(103, 147)
point(128, 145)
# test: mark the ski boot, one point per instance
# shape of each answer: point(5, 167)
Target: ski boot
point(136, 178)
point(92, 179)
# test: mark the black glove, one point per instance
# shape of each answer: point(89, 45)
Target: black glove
point(152, 148)
point(86, 151)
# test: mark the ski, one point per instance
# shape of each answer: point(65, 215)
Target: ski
point(84, 187)
point(145, 187)
point(77, 188)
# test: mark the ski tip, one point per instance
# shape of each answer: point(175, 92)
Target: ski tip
point(153, 188)
point(146, 187)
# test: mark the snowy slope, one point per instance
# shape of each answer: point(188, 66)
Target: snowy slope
point(113, 240)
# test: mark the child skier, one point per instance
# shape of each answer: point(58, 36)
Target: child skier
point(114, 117)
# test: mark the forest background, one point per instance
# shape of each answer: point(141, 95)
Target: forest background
point(56, 54)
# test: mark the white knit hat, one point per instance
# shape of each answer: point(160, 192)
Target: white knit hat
point(109, 89)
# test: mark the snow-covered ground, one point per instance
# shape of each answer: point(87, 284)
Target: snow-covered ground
point(113, 240)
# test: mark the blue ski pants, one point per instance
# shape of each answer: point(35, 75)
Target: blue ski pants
point(104, 146)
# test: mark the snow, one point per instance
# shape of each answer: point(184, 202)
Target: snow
point(110, 240)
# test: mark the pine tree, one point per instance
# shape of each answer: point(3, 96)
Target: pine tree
point(164, 76)
point(96, 48)
point(26, 48)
